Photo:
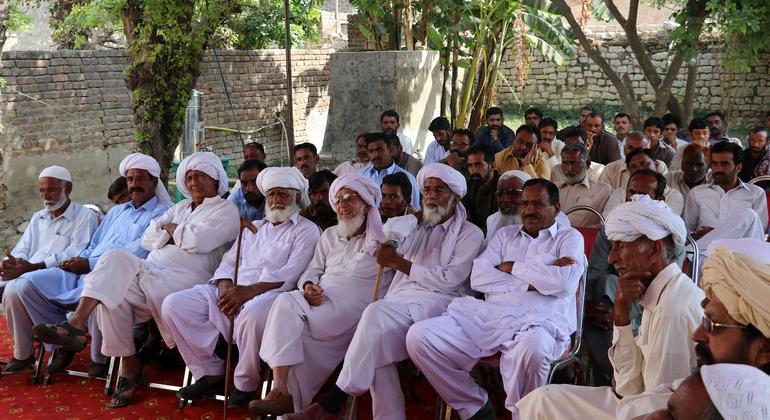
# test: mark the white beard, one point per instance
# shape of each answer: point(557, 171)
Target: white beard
point(280, 216)
point(431, 217)
point(507, 220)
point(348, 227)
point(53, 206)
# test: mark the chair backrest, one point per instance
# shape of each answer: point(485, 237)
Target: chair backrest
point(586, 208)
point(695, 252)
point(589, 233)
point(580, 302)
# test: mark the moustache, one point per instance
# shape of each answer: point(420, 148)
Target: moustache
point(530, 216)
point(704, 354)
point(136, 190)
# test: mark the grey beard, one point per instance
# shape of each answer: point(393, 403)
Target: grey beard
point(572, 180)
point(51, 206)
point(432, 217)
point(507, 220)
point(280, 216)
point(349, 227)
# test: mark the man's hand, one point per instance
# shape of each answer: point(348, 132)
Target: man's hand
point(563, 262)
point(590, 137)
point(527, 160)
point(546, 147)
point(600, 316)
point(170, 228)
point(454, 160)
point(506, 267)
point(495, 133)
point(387, 256)
point(314, 294)
point(76, 265)
point(233, 298)
point(701, 232)
point(630, 289)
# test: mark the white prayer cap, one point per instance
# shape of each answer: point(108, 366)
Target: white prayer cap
point(57, 172)
point(285, 177)
point(206, 162)
point(370, 193)
point(737, 391)
point(643, 216)
point(149, 164)
point(514, 173)
point(754, 248)
point(454, 179)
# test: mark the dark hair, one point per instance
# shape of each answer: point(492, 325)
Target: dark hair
point(548, 121)
point(392, 140)
point(251, 164)
point(726, 146)
point(119, 185)
point(759, 129)
point(464, 132)
point(660, 188)
point(493, 110)
point(587, 108)
point(439, 123)
point(596, 114)
point(528, 129)
point(715, 114)
point(308, 146)
point(621, 115)
point(636, 152)
point(698, 124)
point(317, 179)
point(672, 119)
point(377, 136)
point(751, 333)
point(390, 113)
point(400, 180)
point(482, 148)
point(534, 110)
point(553, 190)
point(258, 145)
point(654, 121)
point(574, 132)
point(576, 147)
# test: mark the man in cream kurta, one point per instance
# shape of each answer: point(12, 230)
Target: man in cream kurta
point(272, 260)
point(644, 233)
point(577, 189)
point(529, 275)
point(438, 253)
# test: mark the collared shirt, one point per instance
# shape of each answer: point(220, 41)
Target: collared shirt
point(349, 166)
point(372, 173)
point(537, 168)
point(435, 153)
point(497, 221)
point(584, 193)
point(676, 181)
point(673, 198)
point(406, 143)
point(709, 205)
point(665, 153)
point(276, 253)
point(606, 149)
point(663, 350)
point(410, 163)
point(52, 241)
point(724, 137)
point(533, 265)
point(484, 136)
point(245, 208)
point(616, 174)
point(123, 227)
point(594, 173)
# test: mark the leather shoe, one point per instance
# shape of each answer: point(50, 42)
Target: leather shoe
point(275, 404)
point(206, 385)
point(15, 365)
point(239, 398)
point(98, 370)
point(61, 360)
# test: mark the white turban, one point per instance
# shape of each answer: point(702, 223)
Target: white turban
point(206, 162)
point(286, 177)
point(149, 164)
point(454, 179)
point(514, 173)
point(56, 172)
point(370, 193)
point(737, 391)
point(643, 216)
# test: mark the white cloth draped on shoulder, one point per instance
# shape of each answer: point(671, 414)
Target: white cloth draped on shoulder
point(149, 164)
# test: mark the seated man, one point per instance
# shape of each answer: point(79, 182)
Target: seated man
point(637, 160)
point(381, 163)
point(433, 262)
point(577, 189)
point(524, 155)
point(459, 147)
point(308, 330)
point(695, 170)
point(118, 191)
point(248, 199)
point(362, 158)
point(728, 208)
point(438, 149)
point(605, 147)
point(756, 157)
point(616, 174)
point(404, 160)
point(644, 234)
point(55, 234)
point(272, 260)
point(480, 200)
point(319, 211)
point(699, 134)
point(254, 151)
point(306, 158)
point(396, 190)
point(653, 131)
point(508, 195)
point(594, 172)
point(496, 135)
point(549, 144)
point(185, 244)
point(390, 122)
point(529, 275)
point(41, 296)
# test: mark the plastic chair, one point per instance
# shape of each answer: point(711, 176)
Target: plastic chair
point(695, 260)
point(589, 233)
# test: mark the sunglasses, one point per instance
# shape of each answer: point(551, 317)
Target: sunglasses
point(709, 325)
point(344, 198)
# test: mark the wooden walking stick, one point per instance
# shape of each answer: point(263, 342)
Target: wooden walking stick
point(245, 224)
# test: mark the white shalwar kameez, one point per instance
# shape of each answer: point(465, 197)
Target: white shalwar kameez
point(131, 290)
point(276, 253)
point(530, 328)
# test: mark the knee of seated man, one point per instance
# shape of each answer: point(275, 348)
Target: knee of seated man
point(417, 337)
point(19, 288)
point(171, 304)
point(113, 254)
point(533, 346)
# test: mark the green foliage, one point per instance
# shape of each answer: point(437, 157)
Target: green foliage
point(17, 20)
point(743, 25)
point(260, 24)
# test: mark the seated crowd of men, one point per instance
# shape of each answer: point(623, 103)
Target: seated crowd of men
point(470, 253)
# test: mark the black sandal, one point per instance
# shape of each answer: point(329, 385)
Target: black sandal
point(49, 334)
point(119, 399)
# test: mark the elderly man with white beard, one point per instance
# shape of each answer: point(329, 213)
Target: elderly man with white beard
point(308, 330)
point(271, 262)
point(433, 262)
point(185, 244)
point(529, 275)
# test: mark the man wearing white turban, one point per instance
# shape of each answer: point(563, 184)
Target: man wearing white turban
point(272, 260)
point(433, 257)
point(308, 330)
point(643, 233)
point(529, 275)
point(185, 244)
point(508, 195)
point(39, 296)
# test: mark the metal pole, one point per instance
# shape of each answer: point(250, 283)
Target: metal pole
point(289, 89)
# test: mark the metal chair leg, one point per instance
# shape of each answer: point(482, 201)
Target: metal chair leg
point(33, 379)
point(351, 412)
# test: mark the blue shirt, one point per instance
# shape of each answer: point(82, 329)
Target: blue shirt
point(246, 210)
point(370, 172)
point(123, 227)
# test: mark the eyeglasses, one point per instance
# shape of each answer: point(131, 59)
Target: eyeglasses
point(345, 198)
point(509, 192)
point(709, 325)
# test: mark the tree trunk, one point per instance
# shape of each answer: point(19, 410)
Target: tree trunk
point(408, 22)
point(422, 31)
point(689, 93)
point(453, 96)
point(445, 78)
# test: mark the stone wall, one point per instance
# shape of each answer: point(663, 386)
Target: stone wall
point(581, 82)
point(72, 108)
